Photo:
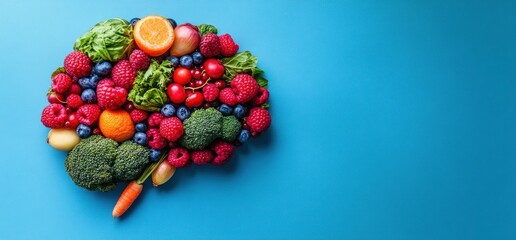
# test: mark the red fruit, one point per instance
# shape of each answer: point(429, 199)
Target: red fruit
point(210, 45)
point(171, 128)
point(77, 64)
point(75, 89)
point(72, 121)
point(210, 92)
point(201, 157)
point(261, 97)
point(204, 76)
point(88, 114)
point(123, 74)
point(96, 131)
point(220, 84)
point(258, 120)
point(155, 140)
point(214, 68)
point(197, 74)
point(176, 93)
point(129, 107)
point(74, 101)
point(182, 75)
point(55, 98)
point(228, 47)
point(139, 60)
point(138, 115)
point(109, 96)
point(223, 151)
point(178, 157)
point(194, 100)
point(61, 83)
point(245, 87)
point(198, 83)
point(53, 115)
point(155, 119)
point(228, 97)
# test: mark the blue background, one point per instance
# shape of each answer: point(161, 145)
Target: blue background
point(391, 120)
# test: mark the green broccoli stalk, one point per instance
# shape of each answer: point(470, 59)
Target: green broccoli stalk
point(230, 128)
point(201, 129)
point(130, 160)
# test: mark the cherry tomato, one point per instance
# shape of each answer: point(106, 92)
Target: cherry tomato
point(72, 121)
point(214, 68)
point(182, 75)
point(194, 100)
point(176, 93)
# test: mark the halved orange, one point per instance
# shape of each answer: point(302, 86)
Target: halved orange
point(154, 35)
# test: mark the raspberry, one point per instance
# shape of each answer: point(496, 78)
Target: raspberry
point(138, 115)
point(61, 83)
point(74, 101)
point(210, 92)
point(109, 96)
point(261, 97)
point(155, 119)
point(201, 157)
point(123, 74)
point(54, 115)
point(88, 114)
point(75, 89)
point(258, 120)
point(171, 128)
point(139, 60)
point(210, 45)
point(228, 47)
point(245, 87)
point(77, 64)
point(178, 157)
point(223, 151)
point(155, 140)
point(228, 97)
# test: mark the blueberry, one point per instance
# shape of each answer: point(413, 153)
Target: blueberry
point(173, 22)
point(140, 138)
point(225, 109)
point(244, 136)
point(174, 60)
point(133, 21)
point(83, 131)
point(140, 127)
point(89, 96)
point(183, 113)
point(197, 58)
point(186, 61)
point(102, 68)
point(240, 111)
point(154, 155)
point(84, 82)
point(168, 110)
point(94, 80)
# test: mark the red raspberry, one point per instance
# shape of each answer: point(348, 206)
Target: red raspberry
point(228, 97)
point(155, 140)
point(75, 89)
point(123, 74)
point(109, 96)
point(74, 101)
point(178, 157)
point(210, 92)
point(88, 114)
point(261, 97)
point(138, 115)
point(210, 45)
point(201, 157)
point(258, 120)
point(171, 128)
point(155, 119)
point(72, 121)
point(245, 87)
point(139, 60)
point(223, 151)
point(61, 83)
point(77, 64)
point(228, 47)
point(54, 115)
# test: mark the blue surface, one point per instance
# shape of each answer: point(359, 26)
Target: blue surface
point(392, 120)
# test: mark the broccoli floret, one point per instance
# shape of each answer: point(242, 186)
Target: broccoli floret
point(201, 128)
point(89, 163)
point(230, 128)
point(130, 161)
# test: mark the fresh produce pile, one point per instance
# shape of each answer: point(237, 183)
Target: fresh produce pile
point(145, 97)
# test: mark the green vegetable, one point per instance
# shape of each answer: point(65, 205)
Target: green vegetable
point(109, 40)
point(201, 129)
point(206, 28)
point(230, 128)
point(130, 160)
point(149, 90)
point(243, 62)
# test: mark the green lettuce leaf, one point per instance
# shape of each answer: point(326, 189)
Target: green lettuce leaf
point(149, 90)
point(206, 28)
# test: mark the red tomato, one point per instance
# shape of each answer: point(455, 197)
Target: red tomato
point(194, 100)
point(176, 93)
point(182, 75)
point(214, 68)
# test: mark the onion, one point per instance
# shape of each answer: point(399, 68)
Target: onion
point(163, 173)
point(186, 40)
